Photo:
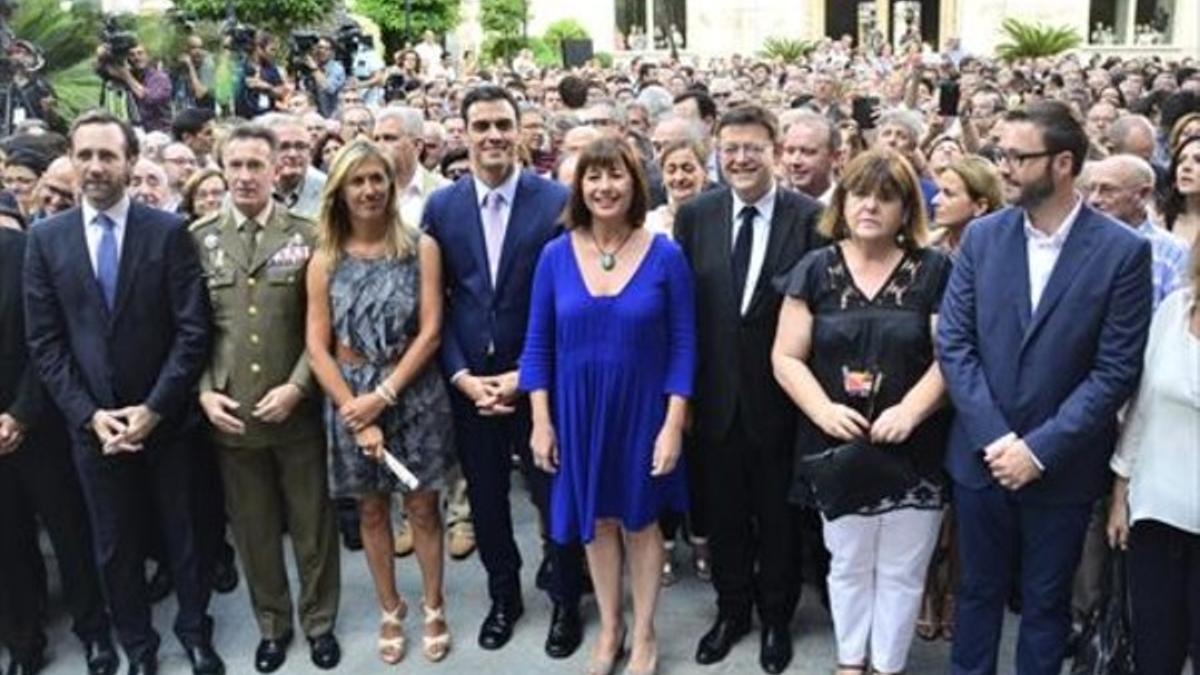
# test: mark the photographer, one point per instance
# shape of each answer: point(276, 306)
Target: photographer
point(261, 87)
point(33, 97)
point(194, 79)
point(328, 75)
point(147, 89)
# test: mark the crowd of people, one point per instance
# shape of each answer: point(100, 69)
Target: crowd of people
point(917, 333)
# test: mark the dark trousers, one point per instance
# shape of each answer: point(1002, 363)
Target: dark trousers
point(40, 481)
point(696, 519)
point(115, 489)
point(754, 553)
point(1164, 578)
point(486, 446)
point(994, 530)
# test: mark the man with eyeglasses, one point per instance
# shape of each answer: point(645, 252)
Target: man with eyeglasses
point(1040, 339)
point(737, 239)
point(298, 184)
point(491, 229)
point(605, 118)
point(180, 163)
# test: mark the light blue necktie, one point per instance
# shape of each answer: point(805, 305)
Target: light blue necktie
point(106, 259)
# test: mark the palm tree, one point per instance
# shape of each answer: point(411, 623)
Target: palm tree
point(1033, 40)
point(67, 39)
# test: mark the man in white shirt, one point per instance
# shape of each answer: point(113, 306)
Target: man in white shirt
point(297, 183)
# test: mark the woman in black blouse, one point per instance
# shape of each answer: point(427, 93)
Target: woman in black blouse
point(854, 350)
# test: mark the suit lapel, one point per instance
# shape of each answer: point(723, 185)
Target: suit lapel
point(1078, 247)
point(780, 233)
point(273, 237)
point(723, 231)
point(136, 224)
point(472, 220)
point(512, 233)
point(1014, 249)
point(77, 241)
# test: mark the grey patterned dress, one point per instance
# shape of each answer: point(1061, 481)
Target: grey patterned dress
point(375, 311)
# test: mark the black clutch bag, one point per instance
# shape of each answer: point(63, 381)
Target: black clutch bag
point(857, 474)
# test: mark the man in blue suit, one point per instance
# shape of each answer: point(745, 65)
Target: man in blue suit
point(1040, 340)
point(117, 320)
point(491, 227)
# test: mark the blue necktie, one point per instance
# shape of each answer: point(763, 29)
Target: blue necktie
point(106, 259)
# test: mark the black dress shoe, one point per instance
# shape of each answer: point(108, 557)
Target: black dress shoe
point(325, 651)
point(225, 574)
point(271, 654)
point(158, 586)
point(205, 660)
point(719, 639)
point(100, 656)
point(147, 665)
point(497, 628)
point(776, 651)
point(566, 631)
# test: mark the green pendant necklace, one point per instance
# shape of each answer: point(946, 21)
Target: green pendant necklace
point(608, 259)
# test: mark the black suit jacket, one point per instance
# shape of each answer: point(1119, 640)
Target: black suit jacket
point(149, 349)
point(20, 391)
point(734, 362)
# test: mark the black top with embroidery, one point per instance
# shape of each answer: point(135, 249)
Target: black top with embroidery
point(867, 353)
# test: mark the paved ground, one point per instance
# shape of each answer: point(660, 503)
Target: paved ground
point(684, 614)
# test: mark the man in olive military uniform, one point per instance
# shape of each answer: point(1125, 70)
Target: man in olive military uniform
point(260, 396)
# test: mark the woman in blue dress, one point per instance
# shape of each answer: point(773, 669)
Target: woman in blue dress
point(609, 360)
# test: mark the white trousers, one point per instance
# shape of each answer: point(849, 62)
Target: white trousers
point(876, 580)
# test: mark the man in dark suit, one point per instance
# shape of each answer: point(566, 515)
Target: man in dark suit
point(39, 479)
point(1040, 340)
point(737, 239)
point(491, 227)
point(118, 324)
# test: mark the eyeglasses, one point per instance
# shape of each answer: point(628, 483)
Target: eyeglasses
point(751, 150)
point(600, 122)
point(299, 146)
point(1017, 158)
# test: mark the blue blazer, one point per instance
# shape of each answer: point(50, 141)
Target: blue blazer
point(485, 326)
point(151, 348)
point(1055, 377)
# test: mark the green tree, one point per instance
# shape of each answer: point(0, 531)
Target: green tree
point(277, 16)
point(548, 50)
point(1033, 40)
point(68, 41)
point(503, 24)
point(439, 16)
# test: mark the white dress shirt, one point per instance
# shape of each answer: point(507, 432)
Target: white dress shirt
point(1159, 448)
point(1043, 250)
point(508, 188)
point(758, 244)
point(92, 231)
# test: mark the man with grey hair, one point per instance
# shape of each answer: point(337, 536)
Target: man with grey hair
point(658, 100)
point(148, 184)
point(433, 141)
point(810, 154)
point(356, 121)
point(901, 130)
point(637, 117)
point(1122, 186)
point(1132, 135)
point(298, 184)
point(605, 117)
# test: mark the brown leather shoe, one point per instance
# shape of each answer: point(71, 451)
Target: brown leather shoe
point(460, 539)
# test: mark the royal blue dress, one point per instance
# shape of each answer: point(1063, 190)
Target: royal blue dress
point(609, 364)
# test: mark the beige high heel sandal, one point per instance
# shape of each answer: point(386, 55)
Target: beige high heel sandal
point(391, 649)
point(435, 647)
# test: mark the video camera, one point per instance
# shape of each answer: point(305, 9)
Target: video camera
point(347, 41)
point(118, 43)
point(241, 36)
point(300, 45)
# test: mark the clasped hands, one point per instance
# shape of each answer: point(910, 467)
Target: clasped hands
point(1011, 462)
point(274, 407)
point(12, 434)
point(493, 394)
point(844, 423)
point(124, 430)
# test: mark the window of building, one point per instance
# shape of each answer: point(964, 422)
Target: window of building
point(631, 25)
point(1131, 22)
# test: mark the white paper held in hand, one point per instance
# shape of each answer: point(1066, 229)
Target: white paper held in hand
point(396, 467)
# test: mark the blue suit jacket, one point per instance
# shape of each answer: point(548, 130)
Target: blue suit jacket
point(485, 326)
point(1055, 377)
point(150, 348)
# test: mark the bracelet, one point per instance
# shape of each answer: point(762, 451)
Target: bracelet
point(383, 391)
